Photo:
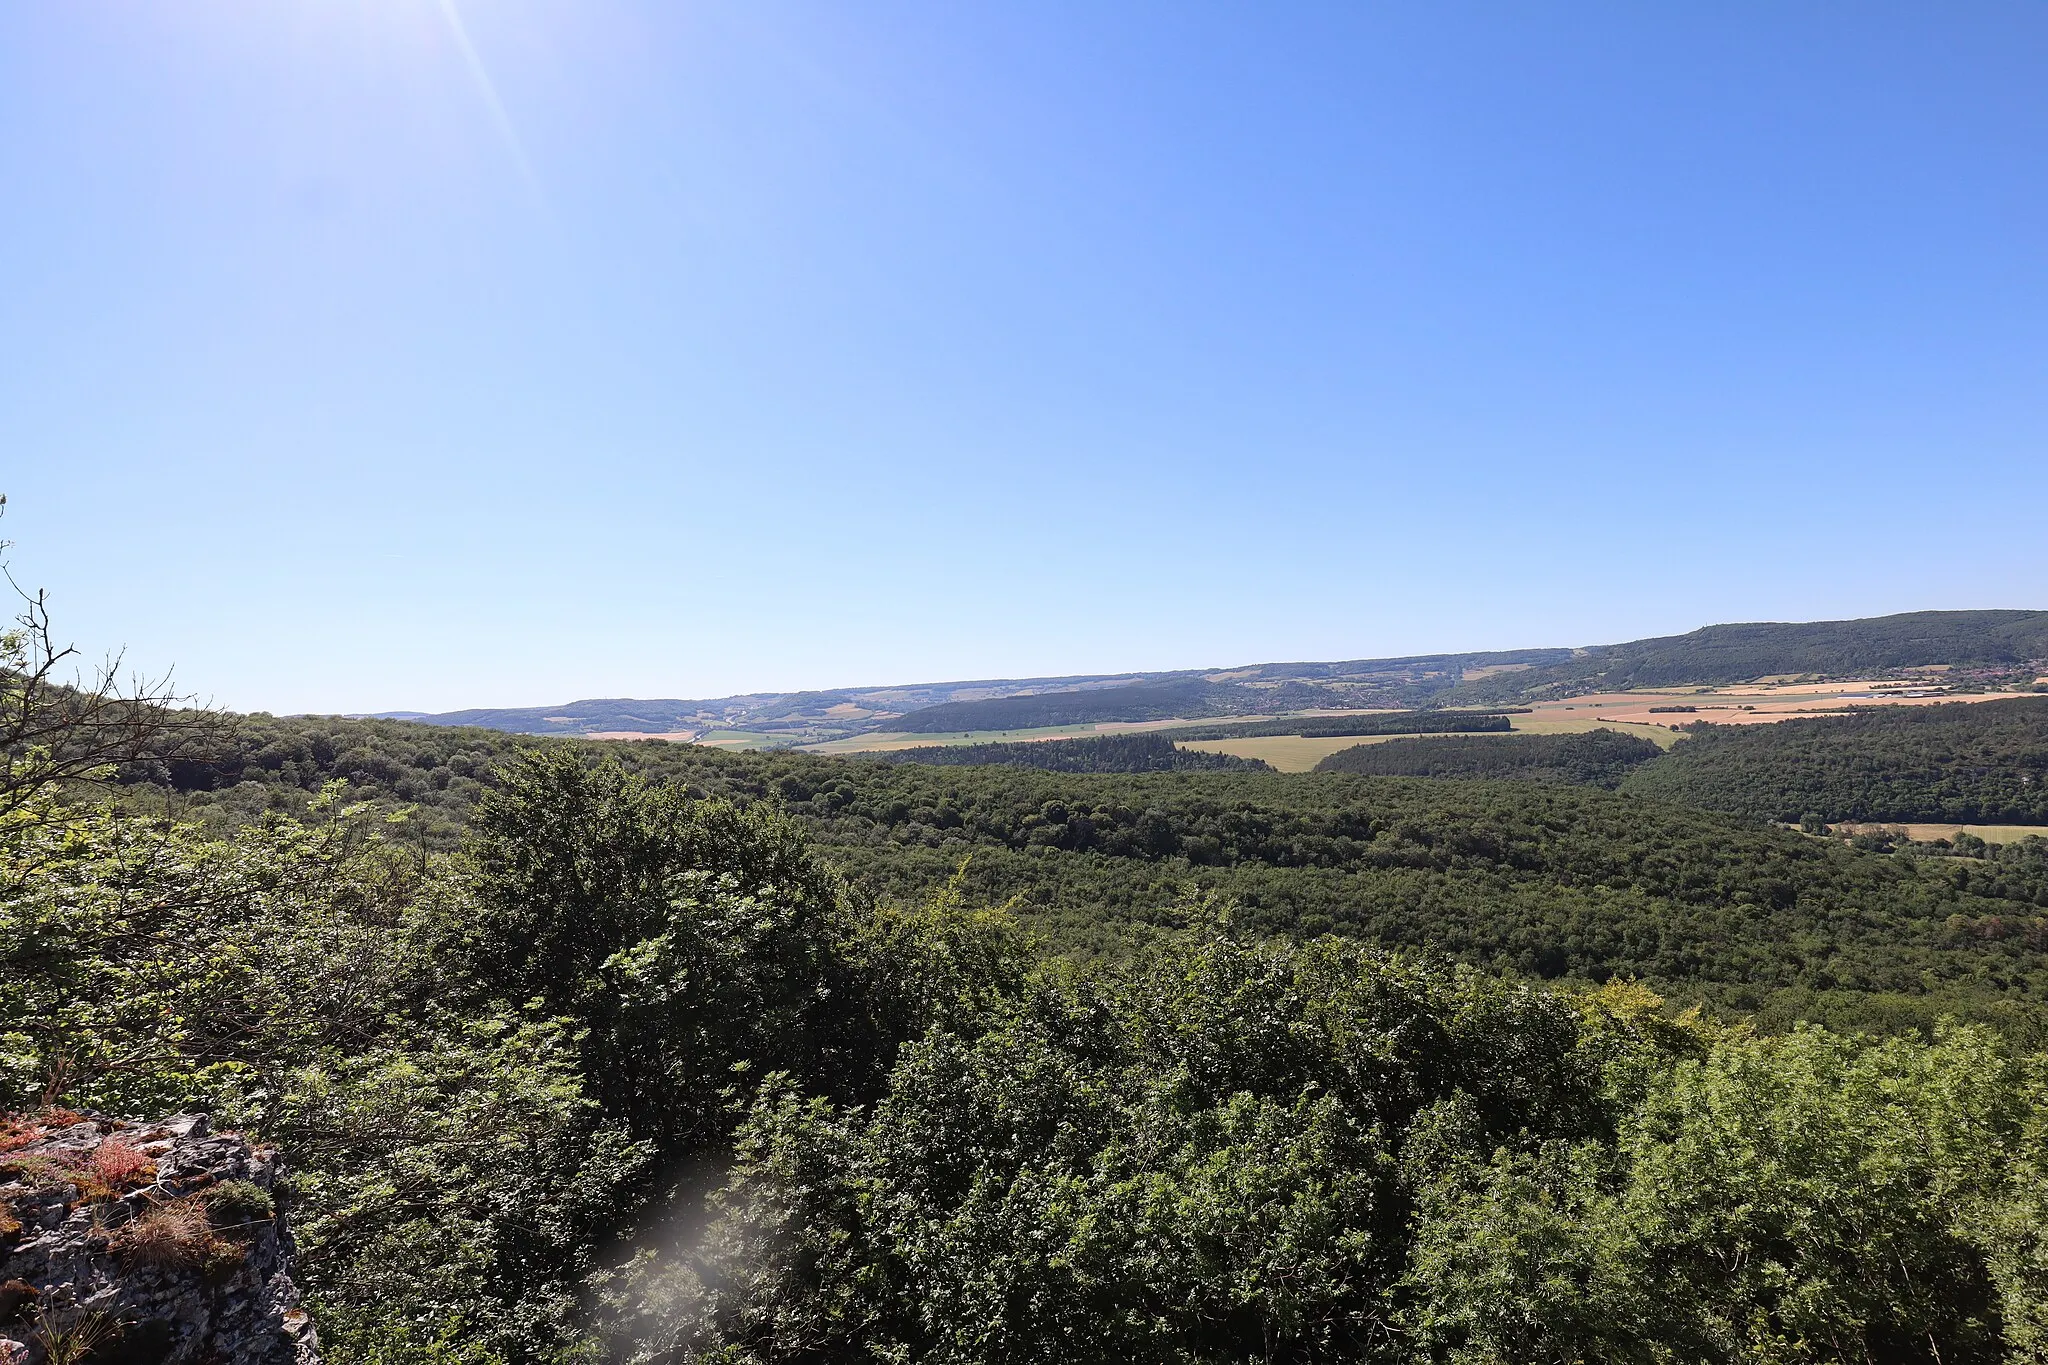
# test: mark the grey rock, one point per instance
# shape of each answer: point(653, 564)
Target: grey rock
point(105, 1228)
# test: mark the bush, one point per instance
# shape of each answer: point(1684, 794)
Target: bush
point(239, 1204)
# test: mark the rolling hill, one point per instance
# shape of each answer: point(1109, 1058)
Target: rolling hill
point(1978, 645)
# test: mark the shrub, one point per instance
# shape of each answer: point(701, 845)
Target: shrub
point(234, 1204)
point(112, 1170)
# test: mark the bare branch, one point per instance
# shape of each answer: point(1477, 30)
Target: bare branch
point(61, 726)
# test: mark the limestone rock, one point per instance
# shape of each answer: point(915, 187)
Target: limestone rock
point(154, 1243)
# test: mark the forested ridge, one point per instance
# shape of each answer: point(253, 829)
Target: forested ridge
point(1138, 753)
point(1968, 762)
point(1371, 723)
point(1548, 881)
point(1599, 758)
point(1982, 646)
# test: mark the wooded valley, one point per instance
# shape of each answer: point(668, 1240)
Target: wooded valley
point(655, 1052)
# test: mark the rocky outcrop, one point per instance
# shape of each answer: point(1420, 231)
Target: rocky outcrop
point(143, 1244)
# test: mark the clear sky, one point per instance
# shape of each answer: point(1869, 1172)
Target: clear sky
point(377, 354)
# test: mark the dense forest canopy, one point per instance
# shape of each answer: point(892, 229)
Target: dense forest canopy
point(1139, 753)
point(1598, 758)
point(1551, 881)
point(1371, 723)
point(509, 1080)
point(658, 1054)
point(1968, 762)
point(664, 1054)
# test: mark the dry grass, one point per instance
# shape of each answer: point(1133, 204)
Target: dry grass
point(176, 1235)
point(1542, 723)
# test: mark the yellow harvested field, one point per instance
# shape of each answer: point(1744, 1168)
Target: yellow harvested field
point(1288, 753)
point(1990, 834)
point(1299, 754)
point(1755, 703)
point(1544, 723)
point(676, 736)
point(1629, 712)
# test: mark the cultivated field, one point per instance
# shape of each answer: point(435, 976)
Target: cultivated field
point(1758, 703)
point(1629, 712)
point(885, 740)
point(1288, 753)
point(1990, 834)
point(1299, 754)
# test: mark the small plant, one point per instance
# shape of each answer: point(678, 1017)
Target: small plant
point(119, 1163)
point(236, 1204)
point(113, 1169)
point(38, 1172)
point(68, 1340)
point(19, 1130)
point(16, 1295)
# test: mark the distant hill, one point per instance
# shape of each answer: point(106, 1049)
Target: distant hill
point(1139, 753)
point(1144, 701)
point(798, 715)
point(1974, 642)
point(806, 717)
point(1761, 649)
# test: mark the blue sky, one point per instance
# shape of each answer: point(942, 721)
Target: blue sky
point(368, 354)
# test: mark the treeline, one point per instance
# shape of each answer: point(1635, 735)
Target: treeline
point(1371, 723)
point(1135, 702)
point(260, 764)
point(504, 1083)
point(1968, 762)
point(1599, 758)
point(1140, 753)
point(1549, 881)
